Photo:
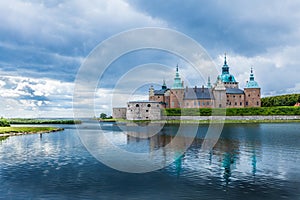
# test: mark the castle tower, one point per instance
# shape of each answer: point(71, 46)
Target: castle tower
point(219, 92)
point(177, 91)
point(151, 93)
point(252, 92)
point(227, 78)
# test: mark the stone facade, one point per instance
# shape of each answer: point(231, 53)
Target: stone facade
point(252, 97)
point(143, 110)
point(119, 113)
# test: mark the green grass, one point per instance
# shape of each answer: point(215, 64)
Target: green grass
point(230, 121)
point(42, 121)
point(4, 130)
point(266, 111)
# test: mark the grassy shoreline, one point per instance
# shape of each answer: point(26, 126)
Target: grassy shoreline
point(204, 121)
point(11, 131)
point(42, 121)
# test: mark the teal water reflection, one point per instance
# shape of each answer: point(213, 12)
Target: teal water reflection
point(252, 161)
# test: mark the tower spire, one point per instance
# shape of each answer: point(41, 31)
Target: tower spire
point(251, 83)
point(177, 80)
point(225, 68)
point(251, 74)
point(208, 82)
point(164, 86)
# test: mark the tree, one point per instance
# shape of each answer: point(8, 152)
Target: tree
point(103, 116)
point(4, 122)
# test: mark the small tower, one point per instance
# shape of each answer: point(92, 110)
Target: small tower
point(151, 93)
point(177, 92)
point(219, 92)
point(252, 92)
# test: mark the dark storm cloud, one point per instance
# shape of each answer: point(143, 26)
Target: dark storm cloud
point(245, 27)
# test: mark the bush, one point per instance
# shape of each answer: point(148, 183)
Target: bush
point(280, 110)
point(4, 122)
point(282, 100)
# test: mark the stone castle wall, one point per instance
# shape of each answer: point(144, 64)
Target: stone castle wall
point(119, 113)
point(143, 110)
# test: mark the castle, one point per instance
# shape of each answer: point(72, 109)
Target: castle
point(225, 93)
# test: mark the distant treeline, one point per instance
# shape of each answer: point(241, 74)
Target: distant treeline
point(280, 110)
point(282, 100)
point(43, 121)
point(4, 122)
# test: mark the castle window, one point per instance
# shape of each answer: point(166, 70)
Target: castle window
point(148, 105)
point(158, 97)
point(258, 95)
point(147, 117)
point(248, 95)
point(241, 103)
point(137, 105)
point(147, 110)
point(235, 103)
point(257, 103)
point(187, 104)
point(240, 96)
point(157, 105)
point(203, 103)
point(246, 103)
point(207, 103)
point(229, 103)
point(128, 106)
point(220, 105)
point(233, 96)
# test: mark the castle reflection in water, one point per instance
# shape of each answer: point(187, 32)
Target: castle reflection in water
point(226, 154)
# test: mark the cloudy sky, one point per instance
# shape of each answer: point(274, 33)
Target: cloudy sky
point(44, 43)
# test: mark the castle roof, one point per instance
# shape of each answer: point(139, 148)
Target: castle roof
point(160, 92)
point(252, 83)
point(226, 77)
point(198, 93)
point(177, 81)
point(234, 91)
point(163, 89)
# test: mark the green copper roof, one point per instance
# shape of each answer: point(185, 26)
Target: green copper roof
point(177, 81)
point(252, 83)
point(226, 76)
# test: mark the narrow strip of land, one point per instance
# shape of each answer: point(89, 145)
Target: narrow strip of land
point(11, 131)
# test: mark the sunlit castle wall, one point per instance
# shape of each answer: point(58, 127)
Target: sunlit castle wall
point(143, 110)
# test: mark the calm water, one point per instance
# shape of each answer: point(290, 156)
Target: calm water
point(257, 161)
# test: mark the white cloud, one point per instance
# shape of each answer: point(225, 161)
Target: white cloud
point(24, 96)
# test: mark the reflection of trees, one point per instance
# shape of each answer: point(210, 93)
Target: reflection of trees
point(3, 138)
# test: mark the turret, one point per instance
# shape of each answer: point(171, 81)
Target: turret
point(177, 91)
point(252, 92)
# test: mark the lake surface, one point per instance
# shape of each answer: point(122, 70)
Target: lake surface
point(250, 161)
